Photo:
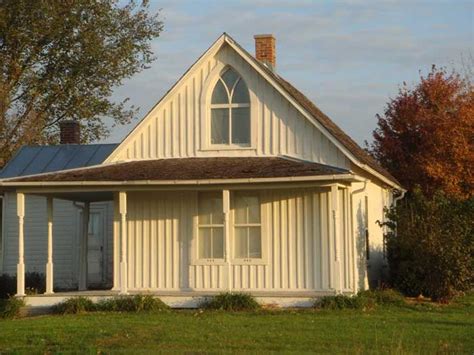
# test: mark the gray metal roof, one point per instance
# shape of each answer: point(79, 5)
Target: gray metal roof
point(44, 159)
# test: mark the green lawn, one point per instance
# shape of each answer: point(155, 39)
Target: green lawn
point(446, 329)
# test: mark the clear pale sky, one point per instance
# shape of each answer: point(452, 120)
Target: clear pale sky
point(348, 56)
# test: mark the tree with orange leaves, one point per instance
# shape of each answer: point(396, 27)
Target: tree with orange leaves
point(426, 135)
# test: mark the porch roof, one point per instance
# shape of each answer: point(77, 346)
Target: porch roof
point(186, 169)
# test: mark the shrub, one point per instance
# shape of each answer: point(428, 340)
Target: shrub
point(343, 302)
point(230, 301)
point(137, 303)
point(383, 297)
point(363, 300)
point(34, 283)
point(75, 305)
point(432, 251)
point(10, 308)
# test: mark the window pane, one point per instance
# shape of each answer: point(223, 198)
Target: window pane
point(240, 242)
point(210, 208)
point(241, 125)
point(240, 210)
point(230, 77)
point(241, 93)
point(204, 242)
point(94, 224)
point(255, 242)
point(219, 95)
point(245, 204)
point(253, 204)
point(220, 126)
point(218, 243)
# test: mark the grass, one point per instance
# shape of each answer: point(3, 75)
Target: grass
point(387, 329)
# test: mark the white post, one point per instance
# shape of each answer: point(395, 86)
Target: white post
point(83, 248)
point(123, 242)
point(226, 210)
point(49, 264)
point(116, 244)
point(20, 269)
point(336, 238)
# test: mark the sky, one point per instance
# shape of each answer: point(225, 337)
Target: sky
point(348, 56)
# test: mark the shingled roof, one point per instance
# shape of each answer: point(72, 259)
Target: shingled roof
point(322, 118)
point(191, 169)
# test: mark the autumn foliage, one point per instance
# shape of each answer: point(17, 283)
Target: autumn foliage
point(425, 136)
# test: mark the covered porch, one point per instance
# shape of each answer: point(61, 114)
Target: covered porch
point(167, 240)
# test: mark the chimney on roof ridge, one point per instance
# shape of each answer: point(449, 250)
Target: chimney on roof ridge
point(70, 132)
point(265, 49)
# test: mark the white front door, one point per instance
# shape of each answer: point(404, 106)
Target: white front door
point(95, 248)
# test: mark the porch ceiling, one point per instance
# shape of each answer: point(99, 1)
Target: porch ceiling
point(81, 196)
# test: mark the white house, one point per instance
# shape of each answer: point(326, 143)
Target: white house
point(234, 181)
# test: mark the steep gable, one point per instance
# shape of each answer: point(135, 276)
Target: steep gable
point(284, 122)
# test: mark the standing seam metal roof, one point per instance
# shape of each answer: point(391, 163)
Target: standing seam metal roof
point(31, 160)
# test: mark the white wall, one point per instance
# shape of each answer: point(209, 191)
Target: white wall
point(65, 238)
point(371, 271)
point(298, 252)
point(176, 127)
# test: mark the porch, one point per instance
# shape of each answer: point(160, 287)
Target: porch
point(180, 299)
point(278, 238)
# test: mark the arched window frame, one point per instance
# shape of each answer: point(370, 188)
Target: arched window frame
point(207, 105)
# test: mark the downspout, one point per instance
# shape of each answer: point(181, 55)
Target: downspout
point(398, 198)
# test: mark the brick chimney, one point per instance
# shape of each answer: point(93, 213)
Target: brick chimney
point(265, 49)
point(70, 132)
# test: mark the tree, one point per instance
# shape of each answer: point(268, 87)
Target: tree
point(430, 248)
point(426, 135)
point(61, 59)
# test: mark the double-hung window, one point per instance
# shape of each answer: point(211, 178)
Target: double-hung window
point(247, 227)
point(230, 111)
point(210, 226)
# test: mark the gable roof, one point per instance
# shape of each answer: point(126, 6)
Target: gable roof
point(179, 169)
point(30, 160)
point(322, 118)
point(333, 132)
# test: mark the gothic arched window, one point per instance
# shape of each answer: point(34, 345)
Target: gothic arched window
point(230, 111)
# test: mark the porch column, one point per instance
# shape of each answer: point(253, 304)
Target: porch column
point(123, 242)
point(335, 210)
point(226, 210)
point(83, 248)
point(20, 269)
point(49, 264)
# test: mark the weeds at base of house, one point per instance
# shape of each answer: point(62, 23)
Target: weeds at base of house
point(11, 307)
point(134, 304)
point(231, 301)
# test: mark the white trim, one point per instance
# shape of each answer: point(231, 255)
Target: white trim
point(183, 182)
point(205, 110)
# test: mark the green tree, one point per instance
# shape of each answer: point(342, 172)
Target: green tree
point(430, 245)
point(61, 59)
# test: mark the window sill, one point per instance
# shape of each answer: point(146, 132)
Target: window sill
point(209, 262)
point(249, 262)
point(227, 148)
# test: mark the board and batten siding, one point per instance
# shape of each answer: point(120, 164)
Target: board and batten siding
point(66, 229)
point(299, 250)
point(177, 126)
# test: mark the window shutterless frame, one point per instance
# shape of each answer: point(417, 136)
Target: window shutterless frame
point(208, 230)
point(230, 123)
point(247, 225)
